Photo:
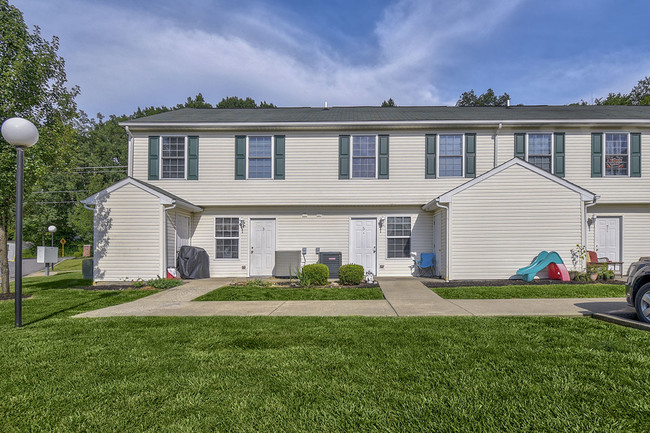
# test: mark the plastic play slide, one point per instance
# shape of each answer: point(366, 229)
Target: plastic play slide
point(556, 268)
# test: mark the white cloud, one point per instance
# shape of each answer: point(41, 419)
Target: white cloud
point(123, 59)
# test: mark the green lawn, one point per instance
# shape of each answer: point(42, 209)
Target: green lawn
point(289, 374)
point(533, 291)
point(69, 265)
point(257, 293)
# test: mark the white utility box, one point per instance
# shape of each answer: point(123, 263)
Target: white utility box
point(47, 254)
point(11, 252)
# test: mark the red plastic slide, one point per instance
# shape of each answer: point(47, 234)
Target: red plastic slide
point(557, 271)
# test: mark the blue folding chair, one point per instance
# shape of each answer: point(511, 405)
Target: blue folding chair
point(425, 264)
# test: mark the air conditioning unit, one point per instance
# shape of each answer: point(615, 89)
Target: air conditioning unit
point(333, 261)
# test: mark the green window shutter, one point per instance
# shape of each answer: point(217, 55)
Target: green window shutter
point(154, 149)
point(520, 145)
point(344, 156)
point(558, 168)
point(192, 158)
point(597, 154)
point(470, 155)
point(279, 158)
point(382, 172)
point(635, 154)
point(430, 154)
point(240, 157)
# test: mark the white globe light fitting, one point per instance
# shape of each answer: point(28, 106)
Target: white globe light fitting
point(51, 229)
point(19, 132)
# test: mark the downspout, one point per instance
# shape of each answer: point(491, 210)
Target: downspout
point(587, 206)
point(496, 144)
point(163, 259)
point(130, 154)
point(447, 238)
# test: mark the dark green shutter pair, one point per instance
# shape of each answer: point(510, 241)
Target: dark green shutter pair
point(558, 153)
point(430, 156)
point(278, 157)
point(192, 158)
point(382, 157)
point(598, 154)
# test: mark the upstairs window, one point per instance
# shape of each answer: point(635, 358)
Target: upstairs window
point(173, 158)
point(540, 151)
point(450, 157)
point(226, 233)
point(260, 157)
point(616, 154)
point(398, 235)
point(364, 156)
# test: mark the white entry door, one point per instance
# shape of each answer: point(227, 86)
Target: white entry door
point(363, 244)
point(608, 238)
point(182, 231)
point(262, 253)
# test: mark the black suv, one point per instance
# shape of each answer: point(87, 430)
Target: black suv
point(637, 288)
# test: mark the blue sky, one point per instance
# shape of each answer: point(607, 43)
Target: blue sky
point(125, 54)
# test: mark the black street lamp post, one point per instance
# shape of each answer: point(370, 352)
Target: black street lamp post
point(22, 134)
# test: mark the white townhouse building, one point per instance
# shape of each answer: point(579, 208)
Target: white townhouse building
point(484, 188)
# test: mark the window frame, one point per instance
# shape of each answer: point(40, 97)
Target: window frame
point(248, 156)
point(376, 136)
point(462, 154)
point(239, 236)
point(185, 157)
point(627, 134)
point(409, 237)
point(528, 134)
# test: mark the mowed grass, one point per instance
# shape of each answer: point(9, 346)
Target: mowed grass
point(69, 265)
point(260, 293)
point(533, 291)
point(291, 374)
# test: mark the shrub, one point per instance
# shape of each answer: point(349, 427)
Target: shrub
point(316, 273)
point(257, 283)
point(303, 279)
point(138, 283)
point(351, 274)
point(164, 283)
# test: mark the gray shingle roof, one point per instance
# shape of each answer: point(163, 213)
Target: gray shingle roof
point(396, 114)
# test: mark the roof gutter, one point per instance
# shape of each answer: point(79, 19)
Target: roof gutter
point(407, 123)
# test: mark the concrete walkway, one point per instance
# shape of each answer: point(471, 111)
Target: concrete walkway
point(404, 297)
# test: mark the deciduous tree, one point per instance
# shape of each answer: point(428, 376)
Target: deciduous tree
point(33, 86)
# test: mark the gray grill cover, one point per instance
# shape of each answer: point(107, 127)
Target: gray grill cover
point(193, 263)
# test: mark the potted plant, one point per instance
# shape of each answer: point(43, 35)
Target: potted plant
point(594, 270)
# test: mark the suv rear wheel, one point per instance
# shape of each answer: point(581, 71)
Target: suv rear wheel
point(642, 303)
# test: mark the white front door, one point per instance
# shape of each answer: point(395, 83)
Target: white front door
point(608, 238)
point(182, 231)
point(363, 244)
point(262, 253)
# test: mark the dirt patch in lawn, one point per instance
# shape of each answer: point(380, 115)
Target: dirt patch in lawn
point(494, 283)
point(11, 296)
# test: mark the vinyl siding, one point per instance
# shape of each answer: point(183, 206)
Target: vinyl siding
point(441, 256)
point(171, 234)
point(578, 164)
point(131, 247)
point(503, 222)
point(311, 169)
point(635, 230)
point(312, 227)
